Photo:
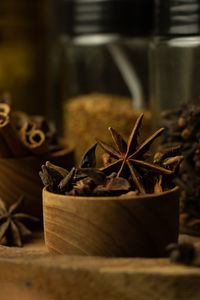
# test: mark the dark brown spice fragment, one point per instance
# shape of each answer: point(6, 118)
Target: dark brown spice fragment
point(84, 187)
point(97, 176)
point(66, 183)
point(63, 172)
point(89, 159)
point(50, 178)
point(182, 253)
point(118, 184)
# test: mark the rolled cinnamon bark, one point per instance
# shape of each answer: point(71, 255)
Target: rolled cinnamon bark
point(4, 108)
point(34, 139)
point(26, 129)
point(12, 140)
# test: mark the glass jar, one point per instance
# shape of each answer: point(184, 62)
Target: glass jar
point(175, 55)
point(175, 91)
point(104, 67)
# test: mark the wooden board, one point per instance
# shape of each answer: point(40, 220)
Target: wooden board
point(32, 273)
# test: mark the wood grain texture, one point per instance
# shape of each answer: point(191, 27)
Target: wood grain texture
point(31, 273)
point(20, 176)
point(111, 226)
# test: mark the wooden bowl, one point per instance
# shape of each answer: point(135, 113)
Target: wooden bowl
point(20, 176)
point(140, 226)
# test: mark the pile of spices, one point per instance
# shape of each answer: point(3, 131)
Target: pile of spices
point(127, 169)
point(183, 128)
point(96, 112)
point(22, 135)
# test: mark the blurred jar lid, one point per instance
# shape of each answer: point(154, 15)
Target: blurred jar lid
point(177, 17)
point(124, 17)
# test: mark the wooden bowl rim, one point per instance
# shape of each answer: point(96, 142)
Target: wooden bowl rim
point(106, 198)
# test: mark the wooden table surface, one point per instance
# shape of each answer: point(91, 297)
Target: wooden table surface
point(32, 273)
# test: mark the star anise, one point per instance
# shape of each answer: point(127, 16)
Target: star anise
point(12, 230)
point(130, 158)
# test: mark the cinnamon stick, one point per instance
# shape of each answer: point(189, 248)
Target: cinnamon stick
point(4, 108)
point(26, 129)
point(38, 142)
point(9, 134)
point(34, 139)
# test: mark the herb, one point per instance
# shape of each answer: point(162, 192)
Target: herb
point(12, 229)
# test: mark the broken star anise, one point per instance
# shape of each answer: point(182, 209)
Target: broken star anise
point(12, 230)
point(130, 157)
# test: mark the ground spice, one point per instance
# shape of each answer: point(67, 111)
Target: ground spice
point(89, 116)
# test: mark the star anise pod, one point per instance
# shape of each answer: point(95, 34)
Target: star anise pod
point(12, 230)
point(130, 157)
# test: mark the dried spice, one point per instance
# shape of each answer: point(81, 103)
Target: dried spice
point(46, 126)
point(118, 184)
point(66, 182)
point(183, 128)
point(22, 135)
point(50, 176)
point(184, 253)
point(131, 156)
point(130, 173)
point(89, 159)
point(96, 175)
point(63, 172)
point(12, 229)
